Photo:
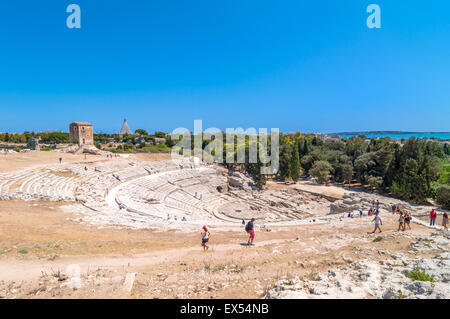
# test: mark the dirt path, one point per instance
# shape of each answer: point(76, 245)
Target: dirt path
point(28, 270)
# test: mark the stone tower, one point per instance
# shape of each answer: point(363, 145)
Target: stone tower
point(125, 128)
point(81, 133)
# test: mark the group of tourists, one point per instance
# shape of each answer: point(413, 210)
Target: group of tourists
point(184, 219)
point(433, 217)
point(404, 220)
point(249, 228)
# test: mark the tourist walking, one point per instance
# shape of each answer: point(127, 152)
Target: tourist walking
point(250, 229)
point(407, 221)
point(401, 221)
point(445, 220)
point(205, 238)
point(378, 222)
point(433, 216)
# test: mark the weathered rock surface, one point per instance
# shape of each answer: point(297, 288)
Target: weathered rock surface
point(388, 279)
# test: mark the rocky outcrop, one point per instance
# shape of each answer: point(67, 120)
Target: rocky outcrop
point(396, 277)
point(354, 201)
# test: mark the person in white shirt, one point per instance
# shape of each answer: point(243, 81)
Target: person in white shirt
point(378, 222)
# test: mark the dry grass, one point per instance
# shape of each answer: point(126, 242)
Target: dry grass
point(44, 230)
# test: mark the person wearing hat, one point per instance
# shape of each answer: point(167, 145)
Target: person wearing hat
point(205, 237)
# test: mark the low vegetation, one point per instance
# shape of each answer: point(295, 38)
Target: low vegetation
point(417, 274)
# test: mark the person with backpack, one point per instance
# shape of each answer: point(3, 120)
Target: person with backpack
point(433, 216)
point(249, 228)
point(407, 222)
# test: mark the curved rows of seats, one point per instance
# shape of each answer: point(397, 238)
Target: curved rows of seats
point(181, 193)
point(33, 184)
point(92, 191)
point(157, 189)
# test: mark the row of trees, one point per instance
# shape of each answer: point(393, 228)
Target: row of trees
point(411, 171)
point(132, 141)
point(50, 138)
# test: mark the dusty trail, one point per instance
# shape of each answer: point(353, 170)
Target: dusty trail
point(28, 270)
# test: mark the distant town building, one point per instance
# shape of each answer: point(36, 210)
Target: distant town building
point(81, 133)
point(320, 136)
point(332, 138)
point(160, 140)
point(125, 128)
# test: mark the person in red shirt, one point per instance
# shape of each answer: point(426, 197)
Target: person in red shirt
point(433, 216)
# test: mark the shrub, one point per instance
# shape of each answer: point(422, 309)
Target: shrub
point(397, 189)
point(16, 149)
point(443, 196)
point(46, 149)
point(375, 181)
point(445, 175)
point(417, 274)
point(378, 239)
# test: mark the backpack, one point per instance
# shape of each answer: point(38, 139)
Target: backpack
point(247, 228)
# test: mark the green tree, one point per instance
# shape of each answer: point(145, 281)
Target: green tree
point(347, 172)
point(295, 165)
point(365, 167)
point(321, 170)
point(160, 134)
point(140, 131)
point(413, 184)
point(443, 196)
point(285, 162)
point(355, 147)
point(375, 181)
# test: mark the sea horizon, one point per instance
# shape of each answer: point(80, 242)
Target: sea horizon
point(399, 135)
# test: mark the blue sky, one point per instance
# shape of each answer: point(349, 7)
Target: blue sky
point(292, 65)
